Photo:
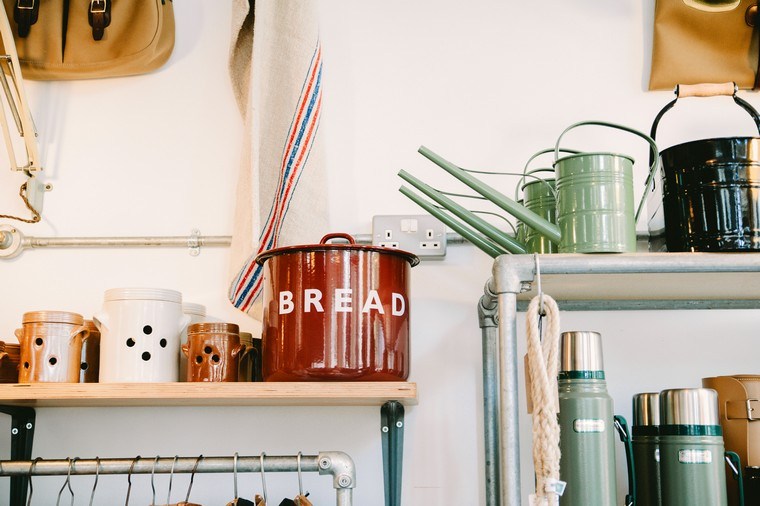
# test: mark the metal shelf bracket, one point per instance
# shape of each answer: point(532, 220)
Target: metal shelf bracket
point(392, 437)
point(22, 438)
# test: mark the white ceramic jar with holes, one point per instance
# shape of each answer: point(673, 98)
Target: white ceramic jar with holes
point(140, 335)
point(197, 314)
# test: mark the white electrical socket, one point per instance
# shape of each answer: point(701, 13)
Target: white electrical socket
point(420, 234)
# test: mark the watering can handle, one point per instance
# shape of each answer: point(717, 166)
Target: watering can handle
point(652, 161)
point(527, 172)
point(706, 90)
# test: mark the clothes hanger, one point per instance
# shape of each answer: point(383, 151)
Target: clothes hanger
point(67, 483)
point(97, 474)
point(261, 501)
point(187, 502)
point(129, 479)
point(171, 478)
point(31, 472)
point(237, 501)
point(301, 499)
point(152, 483)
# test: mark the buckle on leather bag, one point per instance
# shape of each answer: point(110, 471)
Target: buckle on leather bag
point(25, 14)
point(99, 16)
point(750, 409)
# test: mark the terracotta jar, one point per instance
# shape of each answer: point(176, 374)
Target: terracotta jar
point(213, 351)
point(197, 314)
point(10, 355)
point(51, 346)
point(89, 368)
point(247, 360)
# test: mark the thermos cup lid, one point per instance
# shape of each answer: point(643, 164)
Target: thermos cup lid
point(689, 406)
point(158, 294)
point(581, 351)
point(246, 338)
point(646, 409)
point(194, 309)
point(52, 317)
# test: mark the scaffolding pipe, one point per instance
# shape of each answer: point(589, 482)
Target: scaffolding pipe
point(336, 464)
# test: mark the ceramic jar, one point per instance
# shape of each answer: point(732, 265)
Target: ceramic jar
point(140, 331)
point(10, 355)
point(197, 314)
point(213, 351)
point(51, 346)
point(90, 362)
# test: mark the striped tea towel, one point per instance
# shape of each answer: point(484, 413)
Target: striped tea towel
point(281, 191)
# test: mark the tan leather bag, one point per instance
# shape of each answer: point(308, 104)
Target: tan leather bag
point(87, 39)
point(739, 409)
point(696, 41)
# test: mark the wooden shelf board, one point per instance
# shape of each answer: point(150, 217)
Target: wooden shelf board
point(207, 394)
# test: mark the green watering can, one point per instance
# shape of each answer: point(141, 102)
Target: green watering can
point(594, 202)
point(539, 196)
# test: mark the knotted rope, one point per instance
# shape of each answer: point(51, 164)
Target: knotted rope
point(543, 362)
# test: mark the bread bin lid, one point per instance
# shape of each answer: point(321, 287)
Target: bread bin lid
point(53, 317)
point(325, 246)
point(157, 294)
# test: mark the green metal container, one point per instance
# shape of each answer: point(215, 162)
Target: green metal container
point(646, 448)
point(539, 197)
point(595, 206)
point(587, 435)
point(691, 449)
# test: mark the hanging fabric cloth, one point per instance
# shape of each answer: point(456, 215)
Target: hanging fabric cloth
point(276, 71)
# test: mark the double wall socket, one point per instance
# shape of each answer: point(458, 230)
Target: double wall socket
point(420, 234)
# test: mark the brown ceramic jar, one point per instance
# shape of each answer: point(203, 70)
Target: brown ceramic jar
point(89, 368)
point(9, 359)
point(51, 346)
point(213, 351)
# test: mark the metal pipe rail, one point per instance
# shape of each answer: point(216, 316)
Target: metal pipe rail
point(514, 274)
point(336, 464)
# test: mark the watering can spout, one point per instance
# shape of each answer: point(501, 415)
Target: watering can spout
point(531, 219)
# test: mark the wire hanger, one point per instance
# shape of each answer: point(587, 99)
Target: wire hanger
point(67, 483)
point(129, 479)
point(97, 474)
point(171, 478)
point(192, 477)
point(31, 488)
point(152, 483)
point(300, 478)
point(259, 500)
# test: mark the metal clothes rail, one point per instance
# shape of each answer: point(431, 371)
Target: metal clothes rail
point(497, 308)
point(336, 464)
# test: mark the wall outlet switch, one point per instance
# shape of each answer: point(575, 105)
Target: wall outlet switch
point(420, 234)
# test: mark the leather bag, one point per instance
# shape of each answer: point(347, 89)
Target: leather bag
point(739, 410)
point(87, 39)
point(704, 41)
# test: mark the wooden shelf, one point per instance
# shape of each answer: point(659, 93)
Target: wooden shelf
point(207, 394)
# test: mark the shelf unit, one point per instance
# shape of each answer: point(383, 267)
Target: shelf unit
point(587, 282)
point(207, 394)
point(20, 401)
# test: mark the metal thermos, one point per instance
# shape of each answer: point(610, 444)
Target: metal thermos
point(587, 436)
point(646, 450)
point(691, 448)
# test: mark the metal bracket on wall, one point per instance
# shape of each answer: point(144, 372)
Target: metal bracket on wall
point(392, 426)
point(22, 438)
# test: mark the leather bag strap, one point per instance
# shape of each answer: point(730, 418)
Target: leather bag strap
point(25, 14)
point(748, 409)
point(99, 16)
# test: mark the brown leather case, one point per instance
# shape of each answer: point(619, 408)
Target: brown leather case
point(739, 410)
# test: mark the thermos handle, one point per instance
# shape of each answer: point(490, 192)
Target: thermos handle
point(240, 350)
point(79, 330)
point(625, 436)
point(735, 463)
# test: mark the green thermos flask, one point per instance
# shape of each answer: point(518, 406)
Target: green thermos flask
point(691, 449)
point(587, 433)
point(646, 450)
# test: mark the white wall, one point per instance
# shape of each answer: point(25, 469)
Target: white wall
point(484, 83)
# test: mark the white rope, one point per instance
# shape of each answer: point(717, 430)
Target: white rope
point(543, 362)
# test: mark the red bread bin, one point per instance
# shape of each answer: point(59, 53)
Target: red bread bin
point(336, 312)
